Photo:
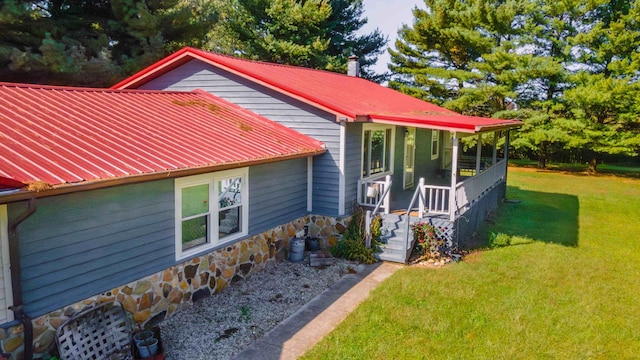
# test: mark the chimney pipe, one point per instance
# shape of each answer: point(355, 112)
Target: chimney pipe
point(353, 67)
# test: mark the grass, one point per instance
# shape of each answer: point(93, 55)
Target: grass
point(567, 288)
point(629, 170)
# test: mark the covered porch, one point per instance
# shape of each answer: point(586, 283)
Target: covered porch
point(467, 178)
point(441, 197)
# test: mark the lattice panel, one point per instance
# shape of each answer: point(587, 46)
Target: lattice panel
point(444, 229)
point(98, 333)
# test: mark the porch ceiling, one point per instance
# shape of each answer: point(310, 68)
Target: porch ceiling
point(446, 121)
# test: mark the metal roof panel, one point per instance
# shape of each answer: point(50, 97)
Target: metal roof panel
point(344, 95)
point(69, 135)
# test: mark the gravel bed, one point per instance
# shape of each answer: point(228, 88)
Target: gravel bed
point(222, 325)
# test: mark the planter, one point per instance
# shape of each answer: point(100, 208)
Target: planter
point(146, 345)
point(313, 243)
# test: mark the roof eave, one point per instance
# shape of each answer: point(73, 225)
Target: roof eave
point(24, 194)
point(447, 126)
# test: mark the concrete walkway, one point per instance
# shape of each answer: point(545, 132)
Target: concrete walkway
point(307, 326)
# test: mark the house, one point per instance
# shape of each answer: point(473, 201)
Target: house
point(380, 142)
point(196, 171)
point(152, 198)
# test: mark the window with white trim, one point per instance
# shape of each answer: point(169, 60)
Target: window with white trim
point(211, 210)
point(435, 144)
point(377, 150)
point(6, 293)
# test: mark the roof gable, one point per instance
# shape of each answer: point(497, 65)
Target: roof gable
point(346, 96)
point(63, 135)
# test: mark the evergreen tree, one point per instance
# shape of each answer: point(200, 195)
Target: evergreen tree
point(318, 34)
point(604, 98)
point(568, 69)
point(59, 42)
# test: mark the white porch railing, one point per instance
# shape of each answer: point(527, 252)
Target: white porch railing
point(472, 189)
point(436, 200)
point(371, 192)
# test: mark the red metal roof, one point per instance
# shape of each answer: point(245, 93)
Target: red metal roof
point(347, 96)
point(64, 135)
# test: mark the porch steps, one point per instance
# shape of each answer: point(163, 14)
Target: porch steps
point(393, 235)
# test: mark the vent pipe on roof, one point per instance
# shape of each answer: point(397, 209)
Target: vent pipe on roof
point(353, 67)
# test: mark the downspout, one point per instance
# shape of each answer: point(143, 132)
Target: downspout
point(14, 258)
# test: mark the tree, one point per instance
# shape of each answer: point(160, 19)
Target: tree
point(61, 41)
point(568, 69)
point(605, 92)
point(318, 34)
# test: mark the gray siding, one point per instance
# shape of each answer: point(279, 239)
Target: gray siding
point(81, 244)
point(294, 114)
point(353, 166)
point(277, 194)
point(425, 167)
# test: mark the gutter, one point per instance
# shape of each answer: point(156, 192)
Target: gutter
point(16, 284)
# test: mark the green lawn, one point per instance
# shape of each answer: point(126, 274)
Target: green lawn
point(567, 288)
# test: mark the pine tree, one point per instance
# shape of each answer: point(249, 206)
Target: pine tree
point(605, 94)
point(569, 69)
point(319, 34)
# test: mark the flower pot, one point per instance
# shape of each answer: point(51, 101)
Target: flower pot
point(147, 347)
point(142, 336)
point(313, 243)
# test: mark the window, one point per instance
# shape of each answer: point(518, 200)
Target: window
point(211, 209)
point(6, 294)
point(435, 144)
point(377, 150)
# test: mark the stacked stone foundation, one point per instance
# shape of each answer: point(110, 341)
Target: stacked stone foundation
point(151, 299)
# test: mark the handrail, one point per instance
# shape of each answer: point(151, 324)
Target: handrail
point(419, 191)
point(470, 190)
point(370, 214)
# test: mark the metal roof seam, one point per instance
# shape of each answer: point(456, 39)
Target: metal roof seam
point(20, 141)
point(96, 131)
point(66, 129)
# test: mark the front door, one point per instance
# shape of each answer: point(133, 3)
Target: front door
point(409, 156)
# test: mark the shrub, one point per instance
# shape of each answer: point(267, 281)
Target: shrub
point(430, 242)
point(352, 246)
point(497, 240)
point(353, 249)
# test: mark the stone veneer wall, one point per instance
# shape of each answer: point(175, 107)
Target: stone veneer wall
point(150, 299)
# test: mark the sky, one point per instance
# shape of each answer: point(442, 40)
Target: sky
point(388, 16)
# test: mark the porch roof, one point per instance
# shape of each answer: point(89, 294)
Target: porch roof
point(347, 97)
point(446, 121)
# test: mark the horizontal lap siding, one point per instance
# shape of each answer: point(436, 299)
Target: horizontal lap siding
point(78, 245)
point(277, 194)
point(275, 106)
point(425, 167)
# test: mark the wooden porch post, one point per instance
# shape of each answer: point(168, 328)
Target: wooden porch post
point(494, 157)
point(478, 153)
point(506, 145)
point(506, 158)
point(421, 199)
point(454, 177)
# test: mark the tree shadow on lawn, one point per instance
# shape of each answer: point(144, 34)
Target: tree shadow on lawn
point(535, 215)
